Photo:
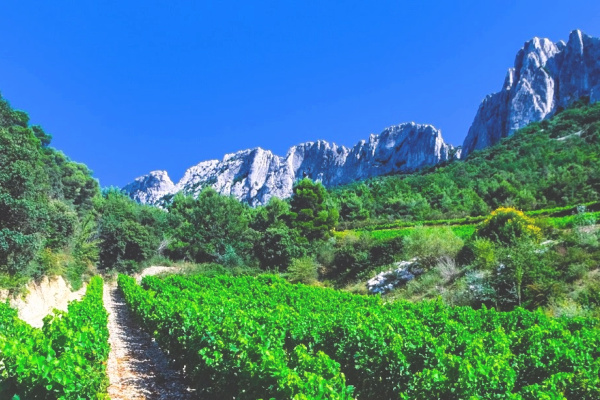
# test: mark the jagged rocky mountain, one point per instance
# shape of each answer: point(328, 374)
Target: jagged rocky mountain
point(256, 175)
point(546, 77)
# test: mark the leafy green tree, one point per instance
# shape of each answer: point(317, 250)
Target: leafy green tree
point(275, 213)
point(23, 197)
point(129, 233)
point(277, 243)
point(206, 226)
point(310, 213)
point(43, 196)
point(277, 246)
point(61, 224)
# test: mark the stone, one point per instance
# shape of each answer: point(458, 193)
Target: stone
point(387, 281)
point(254, 176)
point(546, 77)
point(151, 188)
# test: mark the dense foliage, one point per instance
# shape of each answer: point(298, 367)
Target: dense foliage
point(261, 337)
point(55, 221)
point(44, 200)
point(210, 228)
point(216, 228)
point(507, 260)
point(551, 163)
point(128, 233)
point(310, 213)
point(66, 359)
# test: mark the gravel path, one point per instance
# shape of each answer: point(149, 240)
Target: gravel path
point(137, 368)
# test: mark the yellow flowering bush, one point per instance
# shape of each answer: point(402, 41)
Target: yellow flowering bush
point(508, 225)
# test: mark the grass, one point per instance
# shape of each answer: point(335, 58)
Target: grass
point(570, 221)
point(462, 231)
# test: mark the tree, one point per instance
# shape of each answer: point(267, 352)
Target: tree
point(310, 213)
point(277, 246)
point(23, 198)
point(206, 226)
point(43, 195)
point(129, 233)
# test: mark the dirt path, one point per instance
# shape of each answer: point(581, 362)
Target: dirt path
point(137, 368)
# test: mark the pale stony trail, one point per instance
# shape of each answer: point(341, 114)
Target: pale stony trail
point(137, 368)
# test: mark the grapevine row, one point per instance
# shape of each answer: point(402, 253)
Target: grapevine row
point(240, 336)
point(66, 359)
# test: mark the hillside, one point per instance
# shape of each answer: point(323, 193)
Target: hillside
point(546, 78)
point(548, 164)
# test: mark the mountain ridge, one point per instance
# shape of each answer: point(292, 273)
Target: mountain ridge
point(545, 78)
point(255, 175)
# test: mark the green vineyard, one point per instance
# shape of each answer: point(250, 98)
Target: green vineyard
point(263, 338)
point(66, 359)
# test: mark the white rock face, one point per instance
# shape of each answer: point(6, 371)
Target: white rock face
point(151, 188)
point(545, 76)
point(256, 175)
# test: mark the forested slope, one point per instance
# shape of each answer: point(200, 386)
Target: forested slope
point(551, 163)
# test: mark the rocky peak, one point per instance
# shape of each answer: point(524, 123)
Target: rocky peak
point(256, 175)
point(150, 188)
point(546, 76)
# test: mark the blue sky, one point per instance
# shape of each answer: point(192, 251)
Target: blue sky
point(132, 86)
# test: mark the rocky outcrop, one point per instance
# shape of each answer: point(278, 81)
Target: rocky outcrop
point(41, 298)
point(387, 281)
point(546, 77)
point(256, 175)
point(151, 188)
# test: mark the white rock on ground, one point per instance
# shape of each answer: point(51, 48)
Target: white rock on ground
point(386, 281)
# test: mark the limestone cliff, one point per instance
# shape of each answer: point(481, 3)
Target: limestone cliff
point(256, 175)
point(546, 77)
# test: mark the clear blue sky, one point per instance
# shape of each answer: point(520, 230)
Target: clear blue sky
point(132, 86)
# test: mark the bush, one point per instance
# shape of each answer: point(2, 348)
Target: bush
point(430, 244)
point(277, 246)
point(303, 270)
point(507, 226)
point(484, 254)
